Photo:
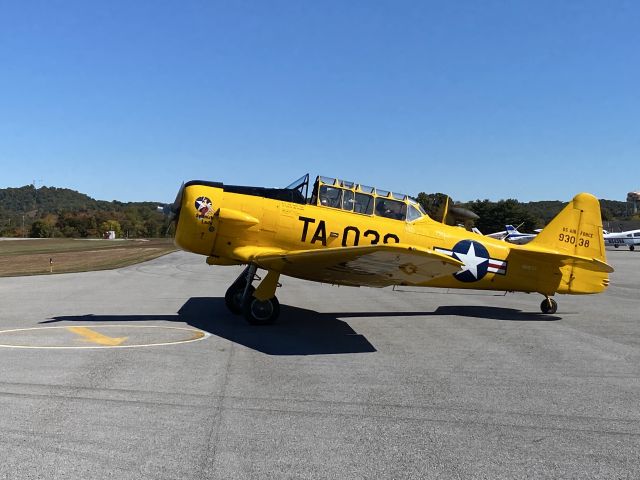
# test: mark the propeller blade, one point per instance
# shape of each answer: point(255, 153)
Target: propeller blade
point(173, 211)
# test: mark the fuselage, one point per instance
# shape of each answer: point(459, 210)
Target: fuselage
point(236, 221)
point(629, 238)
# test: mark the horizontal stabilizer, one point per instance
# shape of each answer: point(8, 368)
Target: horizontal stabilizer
point(592, 264)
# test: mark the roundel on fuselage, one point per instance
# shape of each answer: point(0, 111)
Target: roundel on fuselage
point(475, 257)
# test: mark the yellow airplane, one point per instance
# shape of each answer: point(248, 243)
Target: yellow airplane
point(351, 234)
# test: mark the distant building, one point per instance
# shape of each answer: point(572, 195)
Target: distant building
point(634, 199)
point(109, 235)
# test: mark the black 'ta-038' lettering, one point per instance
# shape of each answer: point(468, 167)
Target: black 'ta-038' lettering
point(320, 234)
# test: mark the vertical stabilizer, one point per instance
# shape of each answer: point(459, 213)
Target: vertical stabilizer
point(576, 230)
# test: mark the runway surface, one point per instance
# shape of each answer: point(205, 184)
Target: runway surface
point(351, 383)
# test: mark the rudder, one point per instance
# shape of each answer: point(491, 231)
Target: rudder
point(577, 232)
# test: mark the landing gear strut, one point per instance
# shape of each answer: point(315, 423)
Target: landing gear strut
point(549, 305)
point(235, 293)
point(258, 306)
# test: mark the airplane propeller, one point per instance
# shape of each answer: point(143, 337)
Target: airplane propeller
point(172, 211)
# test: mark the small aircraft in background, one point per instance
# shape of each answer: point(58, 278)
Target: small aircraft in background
point(631, 238)
point(351, 234)
point(512, 235)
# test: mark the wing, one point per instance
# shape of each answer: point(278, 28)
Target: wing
point(371, 265)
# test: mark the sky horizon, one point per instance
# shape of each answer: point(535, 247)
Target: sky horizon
point(170, 200)
point(126, 100)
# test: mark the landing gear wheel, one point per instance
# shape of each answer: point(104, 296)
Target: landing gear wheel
point(632, 248)
point(233, 297)
point(261, 312)
point(549, 305)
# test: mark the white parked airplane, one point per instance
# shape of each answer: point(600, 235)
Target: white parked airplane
point(512, 235)
point(631, 238)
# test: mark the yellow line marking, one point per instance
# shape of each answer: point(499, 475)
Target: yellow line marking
point(196, 336)
point(197, 333)
point(95, 337)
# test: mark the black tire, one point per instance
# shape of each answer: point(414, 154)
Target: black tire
point(258, 312)
point(632, 248)
point(549, 306)
point(233, 297)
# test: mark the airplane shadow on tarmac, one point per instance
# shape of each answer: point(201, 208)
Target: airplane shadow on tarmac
point(495, 313)
point(471, 311)
point(298, 331)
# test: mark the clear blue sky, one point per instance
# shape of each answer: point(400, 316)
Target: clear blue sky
point(478, 99)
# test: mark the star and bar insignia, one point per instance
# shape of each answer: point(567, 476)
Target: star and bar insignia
point(476, 259)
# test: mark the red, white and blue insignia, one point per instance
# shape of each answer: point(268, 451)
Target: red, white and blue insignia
point(204, 207)
point(476, 259)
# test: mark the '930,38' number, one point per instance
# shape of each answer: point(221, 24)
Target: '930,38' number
point(563, 237)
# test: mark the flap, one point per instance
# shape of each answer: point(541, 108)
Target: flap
point(370, 265)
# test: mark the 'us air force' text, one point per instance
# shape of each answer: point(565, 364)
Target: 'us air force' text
point(570, 235)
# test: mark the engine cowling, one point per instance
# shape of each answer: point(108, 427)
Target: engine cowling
point(197, 224)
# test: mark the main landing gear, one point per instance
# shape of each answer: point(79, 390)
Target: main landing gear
point(549, 305)
point(258, 306)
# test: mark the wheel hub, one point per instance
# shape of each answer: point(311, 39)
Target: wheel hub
point(261, 310)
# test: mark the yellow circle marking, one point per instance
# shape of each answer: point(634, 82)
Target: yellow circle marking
point(103, 341)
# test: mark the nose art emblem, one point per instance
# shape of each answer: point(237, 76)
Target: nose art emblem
point(204, 207)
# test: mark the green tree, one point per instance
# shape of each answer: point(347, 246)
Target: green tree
point(41, 229)
point(109, 225)
point(434, 204)
point(495, 215)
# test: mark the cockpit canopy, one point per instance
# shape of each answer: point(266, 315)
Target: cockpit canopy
point(362, 199)
point(301, 185)
point(340, 194)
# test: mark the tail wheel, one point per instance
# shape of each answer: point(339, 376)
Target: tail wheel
point(549, 305)
point(261, 312)
point(233, 297)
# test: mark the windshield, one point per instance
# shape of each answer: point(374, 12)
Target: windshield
point(301, 184)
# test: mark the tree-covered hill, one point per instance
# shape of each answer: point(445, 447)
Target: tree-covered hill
point(526, 216)
point(61, 212)
point(47, 200)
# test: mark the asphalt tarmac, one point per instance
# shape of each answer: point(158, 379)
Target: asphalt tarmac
point(145, 375)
